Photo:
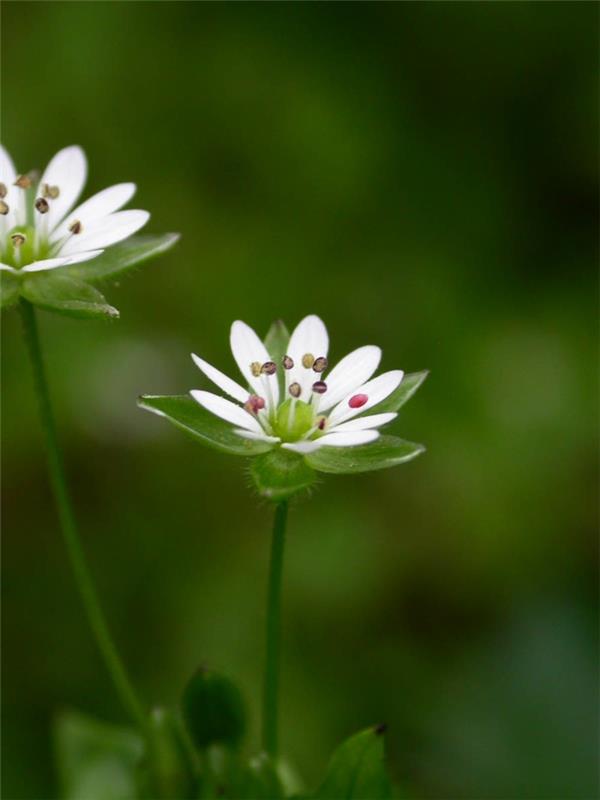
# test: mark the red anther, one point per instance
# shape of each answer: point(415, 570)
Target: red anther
point(357, 400)
point(254, 404)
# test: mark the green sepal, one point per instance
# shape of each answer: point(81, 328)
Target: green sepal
point(122, 257)
point(95, 760)
point(357, 769)
point(168, 771)
point(56, 291)
point(213, 710)
point(276, 342)
point(10, 288)
point(386, 451)
point(188, 415)
point(408, 386)
point(279, 474)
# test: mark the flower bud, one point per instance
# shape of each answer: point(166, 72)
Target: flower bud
point(213, 710)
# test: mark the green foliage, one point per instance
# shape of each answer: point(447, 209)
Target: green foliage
point(189, 416)
point(386, 451)
point(95, 760)
point(409, 385)
point(54, 291)
point(213, 710)
point(357, 769)
point(115, 261)
point(169, 771)
point(279, 474)
point(10, 288)
point(258, 780)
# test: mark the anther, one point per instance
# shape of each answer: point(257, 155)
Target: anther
point(322, 421)
point(358, 400)
point(50, 191)
point(269, 368)
point(255, 368)
point(287, 362)
point(41, 205)
point(76, 227)
point(308, 360)
point(254, 404)
point(23, 182)
point(295, 389)
point(4, 209)
point(319, 387)
point(18, 239)
point(3, 190)
point(320, 364)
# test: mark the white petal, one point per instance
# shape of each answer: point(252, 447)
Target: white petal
point(225, 383)
point(14, 198)
point(6, 268)
point(226, 410)
point(351, 439)
point(99, 205)
point(309, 336)
point(376, 390)
point(53, 263)
point(68, 171)
point(352, 371)
point(248, 348)
point(260, 437)
point(106, 231)
point(364, 423)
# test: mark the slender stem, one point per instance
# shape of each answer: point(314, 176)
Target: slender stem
point(79, 565)
point(271, 685)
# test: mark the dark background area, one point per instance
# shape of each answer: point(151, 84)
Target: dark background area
point(423, 176)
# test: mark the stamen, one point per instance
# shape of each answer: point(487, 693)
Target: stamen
point(18, 239)
point(50, 191)
point(358, 400)
point(319, 387)
point(295, 389)
point(288, 362)
point(320, 364)
point(308, 360)
point(42, 205)
point(321, 422)
point(4, 209)
point(255, 368)
point(23, 182)
point(3, 190)
point(254, 404)
point(76, 227)
point(269, 368)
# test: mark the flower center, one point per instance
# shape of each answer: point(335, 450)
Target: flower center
point(294, 420)
point(20, 246)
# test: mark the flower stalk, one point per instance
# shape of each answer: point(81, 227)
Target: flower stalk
point(271, 685)
point(75, 552)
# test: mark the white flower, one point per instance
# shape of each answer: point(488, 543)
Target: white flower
point(308, 407)
point(38, 229)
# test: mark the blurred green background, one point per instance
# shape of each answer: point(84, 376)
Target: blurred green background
point(423, 176)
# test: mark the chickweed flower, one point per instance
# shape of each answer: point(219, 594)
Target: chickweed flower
point(292, 407)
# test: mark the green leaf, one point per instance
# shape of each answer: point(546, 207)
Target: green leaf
point(357, 769)
point(408, 386)
point(280, 474)
point(213, 710)
point(122, 257)
point(10, 288)
point(95, 760)
point(56, 291)
point(187, 414)
point(386, 451)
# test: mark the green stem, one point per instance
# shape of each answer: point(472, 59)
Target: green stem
point(270, 698)
point(58, 482)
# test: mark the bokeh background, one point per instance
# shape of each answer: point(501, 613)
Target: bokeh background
point(424, 177)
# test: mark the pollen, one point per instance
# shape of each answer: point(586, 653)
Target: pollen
point(4, 209)
point(76, 227)
point(288, 362)
point(51, 192)
point(308, 360)
point(319, 387)
point(295, 389)
point(23, 182)
point(320, 364)
point(255, 368)
point(358, 400)
point(269, 368)
point(18, 239)
point(3, 190)
point(41, 205)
